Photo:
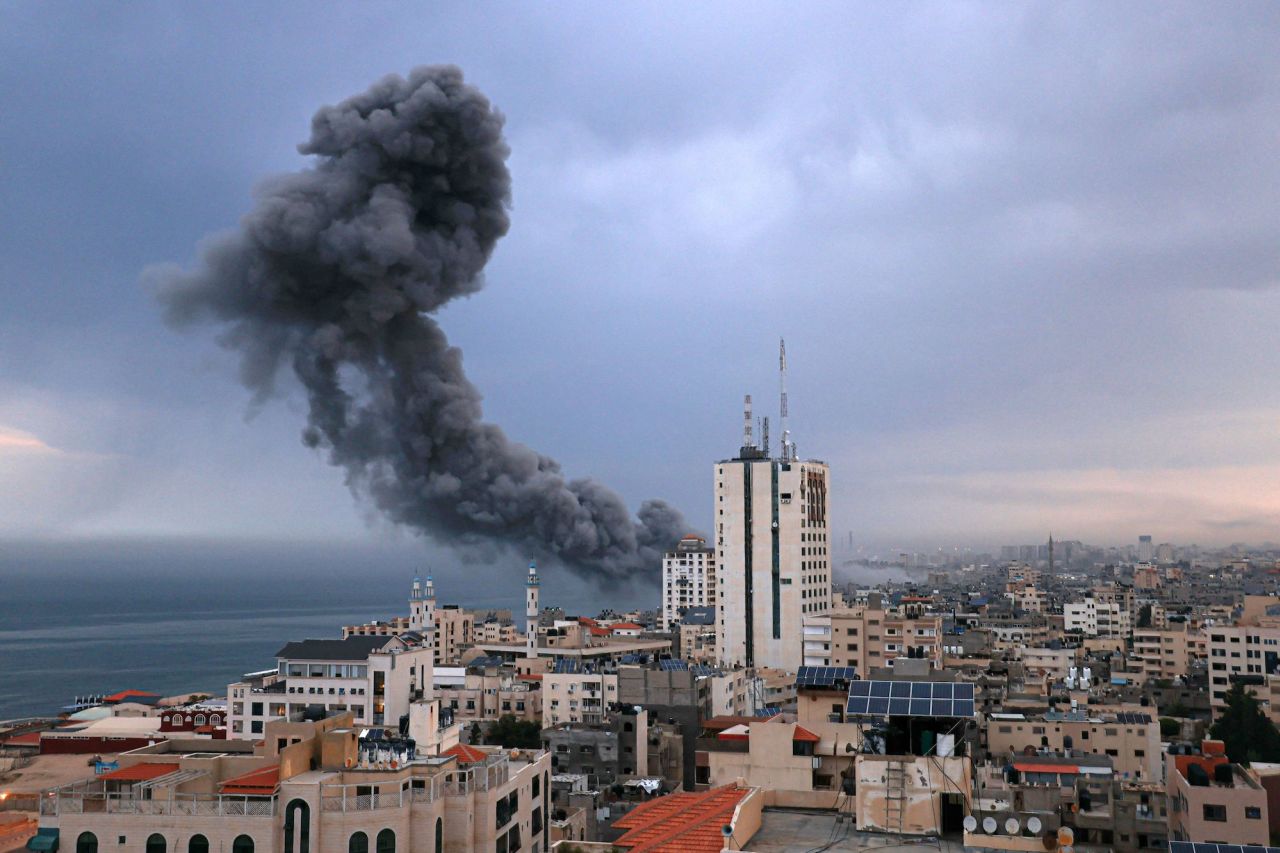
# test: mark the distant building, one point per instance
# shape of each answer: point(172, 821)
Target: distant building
point(1146, 551)
point(688, 579)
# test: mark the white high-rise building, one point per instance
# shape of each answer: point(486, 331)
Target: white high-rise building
point(772, 553)
point(1146, 553)
point(688, 579)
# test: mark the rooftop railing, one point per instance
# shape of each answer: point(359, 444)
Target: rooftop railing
point(91, 797)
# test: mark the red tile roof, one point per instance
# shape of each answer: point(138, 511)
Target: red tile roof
point(139, 772)
point(467, 754)
point(627, 626)
point(681, 823)
point(127, 694)
point(599, 632)
point(804, 734)
point(261, 781)
point(28, 739)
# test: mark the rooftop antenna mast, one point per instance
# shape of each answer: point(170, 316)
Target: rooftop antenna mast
point(788, 449)
point(747, 440)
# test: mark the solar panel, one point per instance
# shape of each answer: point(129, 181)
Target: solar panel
point(1130, 718)
point(673, 665)
point(1203, 847)
point(824, 676)
point(911, 699)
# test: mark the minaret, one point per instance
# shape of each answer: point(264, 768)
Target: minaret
point(1050, 557)
point(417, 606)
point(531, 612)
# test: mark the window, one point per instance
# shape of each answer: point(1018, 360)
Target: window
point(1215, 813)
point(87, 842)
point(155, 843)
point(1253, 812)
point(358, 843)
point(242, 844)
point(198, 844)
point(386, 841)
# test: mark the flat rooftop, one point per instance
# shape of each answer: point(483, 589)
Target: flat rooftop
point(786, 831)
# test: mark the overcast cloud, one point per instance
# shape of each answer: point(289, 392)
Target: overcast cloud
point(1026, 256)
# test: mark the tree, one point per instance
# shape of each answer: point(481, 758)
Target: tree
point(1169, 727)
point(1248, 734)
point(509, 732)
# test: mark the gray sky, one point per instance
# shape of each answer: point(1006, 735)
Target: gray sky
point(1026, 256)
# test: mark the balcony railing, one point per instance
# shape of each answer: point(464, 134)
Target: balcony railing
point(59, 802)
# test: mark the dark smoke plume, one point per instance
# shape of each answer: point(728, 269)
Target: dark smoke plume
point(334, 274)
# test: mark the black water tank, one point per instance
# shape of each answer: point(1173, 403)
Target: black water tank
point(1222, 774)
point(1197, 776)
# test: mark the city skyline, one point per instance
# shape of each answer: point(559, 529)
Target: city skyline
point(1010, 307)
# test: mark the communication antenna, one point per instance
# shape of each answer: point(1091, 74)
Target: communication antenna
point(747, 440)
point(764, 436)
point(788, 452)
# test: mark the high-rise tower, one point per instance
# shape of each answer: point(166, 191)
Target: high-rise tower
point(772, 551)
point(531, 611)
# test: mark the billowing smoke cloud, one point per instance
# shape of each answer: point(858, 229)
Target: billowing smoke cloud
point(334, 275)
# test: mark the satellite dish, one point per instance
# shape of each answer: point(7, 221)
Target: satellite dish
point(1033, 825)
point(970, 823)
point(1012, 826)
point(989, 825)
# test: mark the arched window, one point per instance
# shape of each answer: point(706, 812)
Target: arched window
point(297, 826)
point(87, 843)
point(198, 844)
point(199, 719)
point(358, 843)
point(155, 843)
point(215, 719)
point(386, 841)
point(439, 836)
point(242, 844)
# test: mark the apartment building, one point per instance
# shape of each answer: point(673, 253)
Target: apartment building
point(1166, 653)
point(1097, 617)
point(869, 637)
point(485, 693)
point(577, 697)
point(1212, 800)
point(1246, 652)
point(1130, 738)
point(374, 677)
point(315, 785)
point(688, 579)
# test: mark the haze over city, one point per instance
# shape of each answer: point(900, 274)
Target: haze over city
point(1024, 257)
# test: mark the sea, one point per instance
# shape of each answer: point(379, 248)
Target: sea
point(176, 616)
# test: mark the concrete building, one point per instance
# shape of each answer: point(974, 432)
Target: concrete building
point(374, 677)
point(1248, 653)
point(1096, 617)
point(577, 697)
point(1166, 653)
point(316, 786)
point(688, 579)
point(772, 563)
point(1131, 739)
point(1213, 800)
point(868, 637)
point(481, 692)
